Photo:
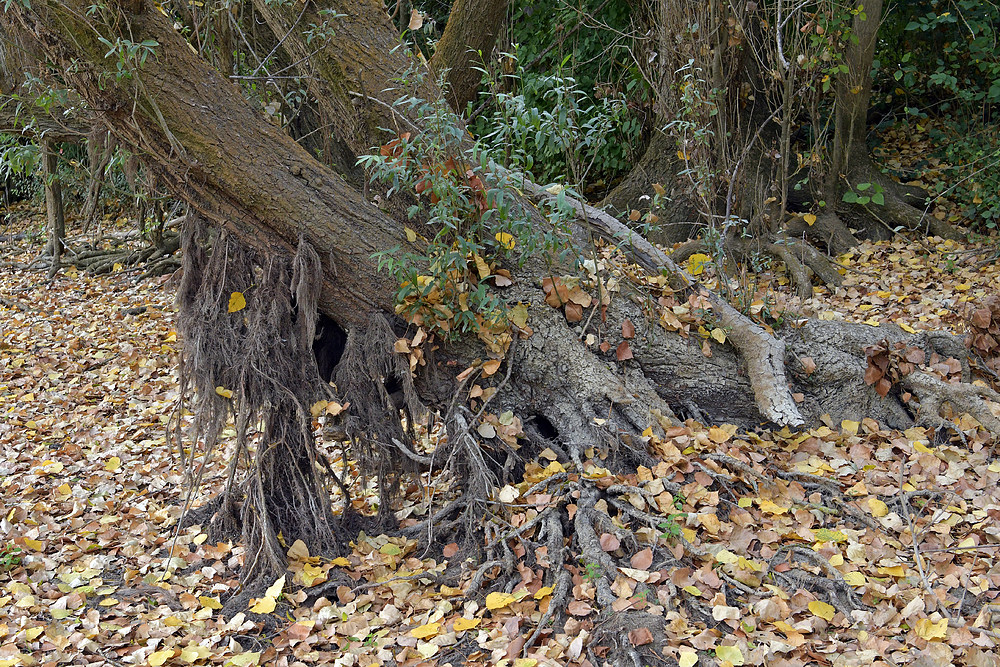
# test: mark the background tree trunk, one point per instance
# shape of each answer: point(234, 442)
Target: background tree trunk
point(53, 206)
point(851, 159)
point(467, 44)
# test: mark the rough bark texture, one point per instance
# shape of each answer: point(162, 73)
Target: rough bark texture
point(467, 44)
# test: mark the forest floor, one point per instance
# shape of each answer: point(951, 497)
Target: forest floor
point(93, 569)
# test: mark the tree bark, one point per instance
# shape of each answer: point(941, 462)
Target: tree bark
point(466, 45)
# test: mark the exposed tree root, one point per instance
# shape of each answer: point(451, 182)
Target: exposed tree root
point(764, 354)
point(963, 398)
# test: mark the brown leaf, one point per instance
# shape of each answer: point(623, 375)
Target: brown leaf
point(345, 594)
point(872, 375)
point(642, 559)
point(623, 352)
point(808, 365)
point(640, 636)
point(579, 608)
point(605, 346)
point(981, 318)
point(628, 329)
point(450, 550)
point(574, 312)
point(609, 542)
point(882, 387)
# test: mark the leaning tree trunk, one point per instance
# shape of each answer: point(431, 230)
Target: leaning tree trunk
point(291, 238)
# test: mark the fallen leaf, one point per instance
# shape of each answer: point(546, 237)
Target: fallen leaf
point(426, 630)
point(640, 636)
point(237, 302)
point(822, 609)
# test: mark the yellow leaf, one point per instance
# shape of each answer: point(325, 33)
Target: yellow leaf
point(906, 327)
point(117, 267)
point(719, 335)
point(209, 602)
point(542, 592)
point(726, 556)
point(692, 590)
point(770, 507)
point(922, 448)
point(719, 434)
point(745, 502)
point(244, 659)
point(312, 575)
point(157, 658)
point(696, 263)
point(194, 653)
point(929, 630)
point(681, 155)
point(411, 235)
point(425, 631)
point(236, 302)
point(65, 491)
point(499, 600)
point(688, 659)
point(731, 654)
point(893, 571)
point(32, 633)
point(878, 508)
point(33, 544)
point(506, 240)
point(274, 590)
point(850, 426)
point(264, 605)
point(822, 609)
point(462, 624)
point(113, 464)
point(341, 562)
point(525, 662)
point(519, 315)
point(810, 219)
point(855, 579)
point(223, 392)
point(481, 266)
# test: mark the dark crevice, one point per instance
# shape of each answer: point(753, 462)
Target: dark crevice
point(328, 345)
point(545, 428)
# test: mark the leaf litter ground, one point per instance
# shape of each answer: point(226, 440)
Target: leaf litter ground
point(845, 544)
